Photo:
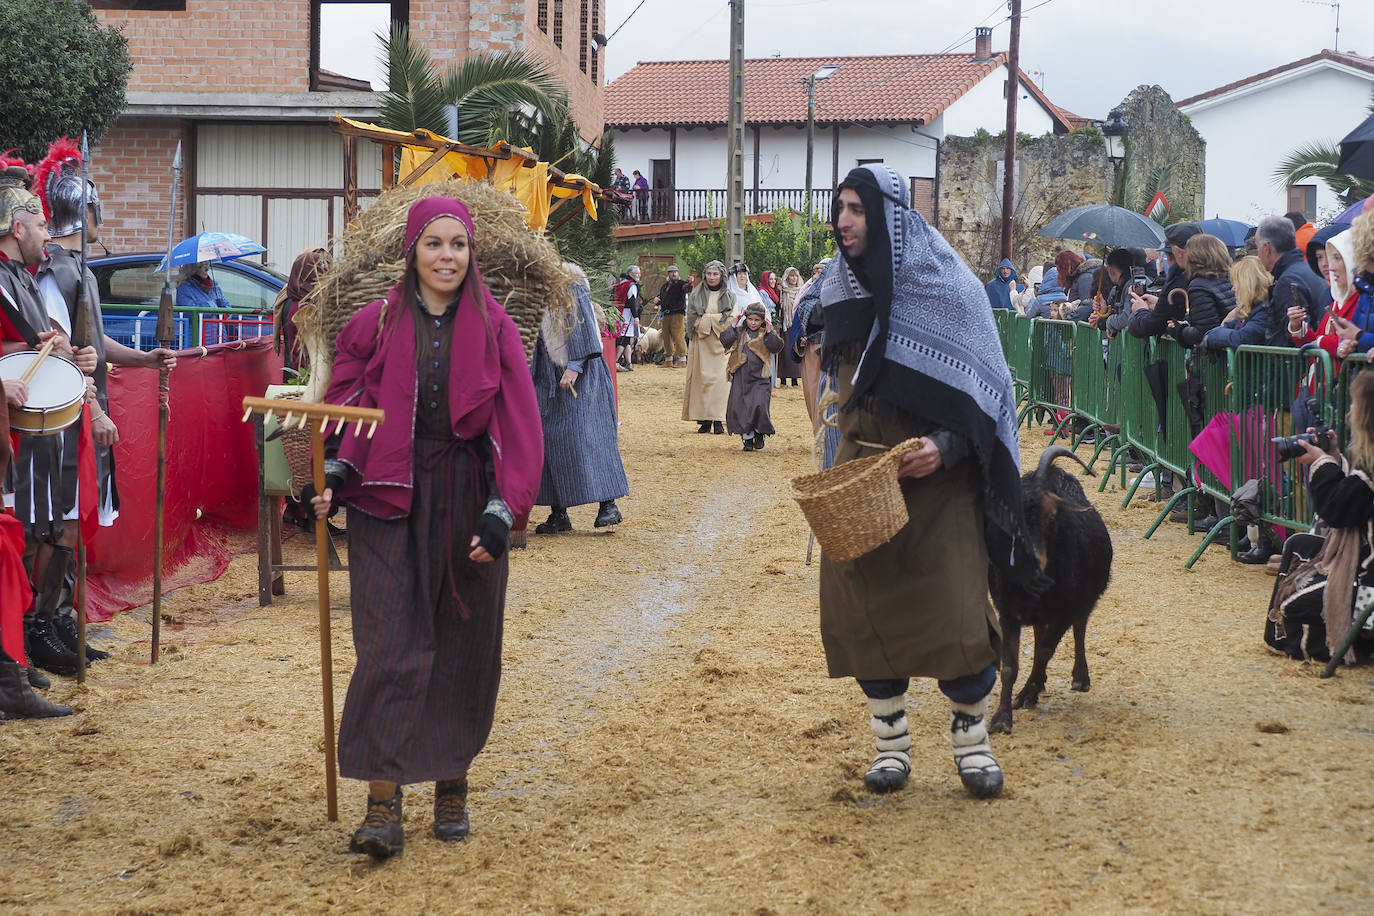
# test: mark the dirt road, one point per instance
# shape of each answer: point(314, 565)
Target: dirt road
point(666, 740)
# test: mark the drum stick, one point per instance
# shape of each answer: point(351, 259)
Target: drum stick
point(38, 360)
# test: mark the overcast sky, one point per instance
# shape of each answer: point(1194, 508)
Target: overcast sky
point(1085, 55)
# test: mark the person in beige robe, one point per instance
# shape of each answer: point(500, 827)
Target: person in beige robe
point(707, 389)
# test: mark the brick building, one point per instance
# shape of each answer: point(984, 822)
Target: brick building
point(238, 83)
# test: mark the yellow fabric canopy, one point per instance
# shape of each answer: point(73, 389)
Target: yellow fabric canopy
point(533, 185)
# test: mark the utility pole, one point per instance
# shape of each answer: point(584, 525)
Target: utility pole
point(734, 225)
point(1009, 156)
point(810, 156)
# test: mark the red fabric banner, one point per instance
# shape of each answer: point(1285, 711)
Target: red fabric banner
point(210, 511)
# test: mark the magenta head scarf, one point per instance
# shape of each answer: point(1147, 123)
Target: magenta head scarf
point(427, 210)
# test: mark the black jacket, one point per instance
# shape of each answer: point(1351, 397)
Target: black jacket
point(1155, 322)
point(672, 299)
point(1291, 270)
point(1210, 300)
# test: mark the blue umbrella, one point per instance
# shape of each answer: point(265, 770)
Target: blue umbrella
point(1348, 217)
point(211, 246)
point(1232, 232)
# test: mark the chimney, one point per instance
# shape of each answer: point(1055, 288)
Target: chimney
point(982, 43)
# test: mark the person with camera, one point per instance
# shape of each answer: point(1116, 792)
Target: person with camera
point(1294, 282)
point(1150, 314)
point(1326, 578)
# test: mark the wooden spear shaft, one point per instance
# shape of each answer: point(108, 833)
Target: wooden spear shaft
point(165, 331)
point(326, 651)
point(80, 605)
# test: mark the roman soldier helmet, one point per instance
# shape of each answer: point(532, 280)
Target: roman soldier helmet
point(58, 183)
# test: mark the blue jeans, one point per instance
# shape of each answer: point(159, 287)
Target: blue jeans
point(967, 689)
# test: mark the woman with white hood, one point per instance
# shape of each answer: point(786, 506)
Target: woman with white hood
point(1340, 271)
point(745, 294)
point(1020, 300)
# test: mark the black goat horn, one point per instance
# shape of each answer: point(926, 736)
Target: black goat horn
point(1048, 458)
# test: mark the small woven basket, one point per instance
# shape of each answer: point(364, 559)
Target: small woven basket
point(296, 446)
point(856, 506)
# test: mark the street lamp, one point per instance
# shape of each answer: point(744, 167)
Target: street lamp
point(824, 73)
point(1114, 130)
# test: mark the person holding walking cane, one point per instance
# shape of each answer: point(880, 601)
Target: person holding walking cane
point(429, 521)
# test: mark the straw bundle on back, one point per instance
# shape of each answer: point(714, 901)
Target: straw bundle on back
point(523, 270)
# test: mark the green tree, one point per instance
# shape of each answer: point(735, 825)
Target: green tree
point(489, 90)
point(63, 71)
point(775, 245)
point(1320, 161)
point(513, 98)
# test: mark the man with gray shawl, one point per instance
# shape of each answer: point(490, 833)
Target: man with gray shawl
point(911, 345)
point(577, 405)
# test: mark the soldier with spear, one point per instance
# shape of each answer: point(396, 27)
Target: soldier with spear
point(72, 205)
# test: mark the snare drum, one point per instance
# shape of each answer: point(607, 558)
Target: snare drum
point(55, 393)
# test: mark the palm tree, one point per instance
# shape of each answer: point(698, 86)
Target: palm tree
point(1319, 161)
point(487, 89)
point(505, 97)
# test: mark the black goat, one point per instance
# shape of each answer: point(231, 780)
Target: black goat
point(1075, 550)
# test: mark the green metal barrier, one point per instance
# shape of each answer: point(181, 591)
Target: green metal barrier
point(1340, 420)
point(1051, 371)
point(1001, 318)
point(1265, 383)
point(1019, 354)
point(1210, 373)
point(1094, 399)
point(1139, 416)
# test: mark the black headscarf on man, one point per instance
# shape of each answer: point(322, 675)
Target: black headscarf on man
point(873, 269)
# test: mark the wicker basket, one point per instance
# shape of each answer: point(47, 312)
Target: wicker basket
point(296, 446)
point(856, 506)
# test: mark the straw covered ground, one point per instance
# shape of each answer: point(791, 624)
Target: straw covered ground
point(666, 740)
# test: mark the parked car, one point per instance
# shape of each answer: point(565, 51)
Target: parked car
point(131, 288)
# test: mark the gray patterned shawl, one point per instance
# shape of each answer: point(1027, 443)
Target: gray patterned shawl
point(930, 349)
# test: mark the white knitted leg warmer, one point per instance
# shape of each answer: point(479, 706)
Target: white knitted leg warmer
point(978, 769)
point(893, 741)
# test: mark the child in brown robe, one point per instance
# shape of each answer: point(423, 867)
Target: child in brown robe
point(750, 371)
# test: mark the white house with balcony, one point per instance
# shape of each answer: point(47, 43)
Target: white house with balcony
point(1252, 124)
point(669, 120)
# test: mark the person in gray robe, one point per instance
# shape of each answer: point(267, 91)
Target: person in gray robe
point(577, 405)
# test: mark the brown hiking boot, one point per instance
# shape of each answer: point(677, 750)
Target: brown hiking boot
point(451, 809)
point(381, 835)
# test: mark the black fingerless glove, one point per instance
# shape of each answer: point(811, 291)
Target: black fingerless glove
point(493, 534)
point(331, 482)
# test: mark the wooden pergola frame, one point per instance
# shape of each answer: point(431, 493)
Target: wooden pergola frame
point(439, 148)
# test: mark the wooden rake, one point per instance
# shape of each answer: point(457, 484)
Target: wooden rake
point(318, 417)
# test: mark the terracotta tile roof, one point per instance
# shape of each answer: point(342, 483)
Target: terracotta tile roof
point(1350, 60)
point(908, 88)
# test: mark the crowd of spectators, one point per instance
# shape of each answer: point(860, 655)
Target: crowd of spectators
point(1292, 285)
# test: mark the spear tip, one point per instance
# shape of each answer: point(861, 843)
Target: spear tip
point(176, 161)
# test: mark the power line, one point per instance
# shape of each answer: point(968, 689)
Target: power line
point(627, 19)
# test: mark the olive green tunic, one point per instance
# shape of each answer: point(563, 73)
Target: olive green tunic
point(918, 605)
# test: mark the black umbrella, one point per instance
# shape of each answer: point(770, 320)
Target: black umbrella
point(1357, 151)
point(1105, 224)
